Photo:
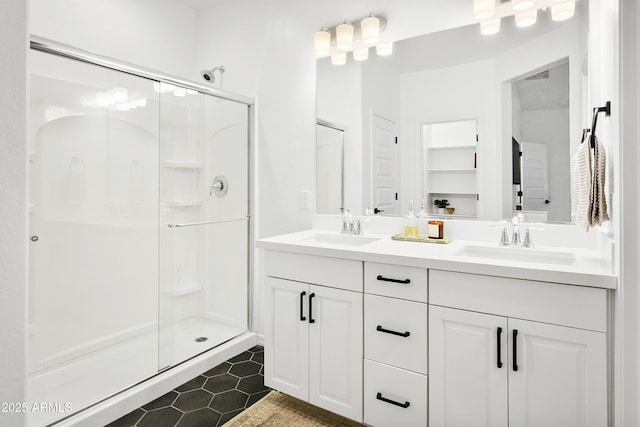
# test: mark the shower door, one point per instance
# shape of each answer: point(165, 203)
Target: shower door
point(93, 223)
point(204, 225)
point(139, 228)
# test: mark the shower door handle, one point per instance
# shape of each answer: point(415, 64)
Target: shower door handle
point(302, 294)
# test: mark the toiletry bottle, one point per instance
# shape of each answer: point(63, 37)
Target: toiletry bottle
point(423, 220)
point(411, 223)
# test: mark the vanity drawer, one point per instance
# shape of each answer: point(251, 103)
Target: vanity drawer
point(396, 281)
point(559, 304)
point(397, 385)
point(395, 332)
point(319, 270)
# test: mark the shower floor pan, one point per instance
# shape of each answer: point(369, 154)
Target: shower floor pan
point(77, 384)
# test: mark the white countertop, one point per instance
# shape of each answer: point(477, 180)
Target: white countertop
point(589, 269)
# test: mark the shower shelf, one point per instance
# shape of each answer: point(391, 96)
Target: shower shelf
point(187, 288)
point(182, 165)
point(182, 203)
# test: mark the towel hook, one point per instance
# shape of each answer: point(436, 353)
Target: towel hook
point(596, 110)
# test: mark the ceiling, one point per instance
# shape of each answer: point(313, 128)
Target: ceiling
point(197, 4)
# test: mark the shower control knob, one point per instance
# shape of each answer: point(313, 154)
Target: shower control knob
point(220, 186)
point(34, 238)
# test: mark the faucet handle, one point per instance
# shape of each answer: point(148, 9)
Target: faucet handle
point(528, 242)
point(504, 240)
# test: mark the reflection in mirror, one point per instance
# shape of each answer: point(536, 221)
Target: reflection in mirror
point(329, 168)
point(540, 125)
point(457, 75)
point(450, 161)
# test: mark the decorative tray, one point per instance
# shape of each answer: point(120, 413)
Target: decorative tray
point(422, 239)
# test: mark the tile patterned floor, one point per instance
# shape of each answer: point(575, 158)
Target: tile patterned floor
point(208, 400)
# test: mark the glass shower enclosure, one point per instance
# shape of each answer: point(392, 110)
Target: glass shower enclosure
point(138, 225)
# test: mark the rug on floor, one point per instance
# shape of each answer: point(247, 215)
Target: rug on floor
point(279, 410)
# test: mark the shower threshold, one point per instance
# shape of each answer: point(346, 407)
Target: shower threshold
point(86, 380)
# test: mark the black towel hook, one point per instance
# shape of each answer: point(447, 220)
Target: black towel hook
point(607, 112)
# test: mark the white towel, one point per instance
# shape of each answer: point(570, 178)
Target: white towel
point(588, 172)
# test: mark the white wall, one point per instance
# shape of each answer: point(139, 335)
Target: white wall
point(450, 94)
point(628, 375)
point(13, 194)
point(156, 34)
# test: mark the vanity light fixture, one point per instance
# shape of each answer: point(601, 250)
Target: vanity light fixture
point(490, 26)
point(562, 10)
point(384, 49)
point(322, 42)
point(339, 58)
point(344, 36)
point(483, 9)
point(361, 54)
point(337, 41)
point(521, 4)
point(526, 18)
point(370, 29)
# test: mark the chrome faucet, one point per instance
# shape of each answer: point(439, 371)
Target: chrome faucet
point(347, 222)
point(351, 225)
point(515, 233)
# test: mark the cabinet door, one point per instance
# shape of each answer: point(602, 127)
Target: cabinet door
point(467, 374)
point(560, 378)
point(286, 337)
point(335, 351)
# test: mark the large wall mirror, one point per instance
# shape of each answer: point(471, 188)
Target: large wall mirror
point(527, 85)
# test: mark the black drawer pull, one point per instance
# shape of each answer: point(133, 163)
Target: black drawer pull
point(311, 319)
point(393, 402)
point(302, 294)
point(499, 347)
point(387, 331)
point(386, 279)
point(515, 349)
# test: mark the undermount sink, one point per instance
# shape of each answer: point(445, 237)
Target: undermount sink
point(341, 239)
point(515, 253)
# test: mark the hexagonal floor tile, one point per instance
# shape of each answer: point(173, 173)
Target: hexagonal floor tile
point(204, 417)
point(222, 368)
point(194, 399)
point(229, 401)
point(165, 417)
point(162, 401)
point(193, 384)
point(252, 384)
point(244, 369)
point(241, 357)
point(221, 383)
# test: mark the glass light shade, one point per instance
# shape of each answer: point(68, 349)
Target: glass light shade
point(361, 54)
point(483, 9)
point(339, 58)
point(490, 26)
point(521, 4)
point(322, 42)
point(370, 27)
point(344, 36)
point(525, 19)
point(563, 11)
point(384, 49)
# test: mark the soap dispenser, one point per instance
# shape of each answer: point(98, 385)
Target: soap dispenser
point(411, 223)
point(423, 220)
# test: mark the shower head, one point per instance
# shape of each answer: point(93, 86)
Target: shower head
point(208, 74)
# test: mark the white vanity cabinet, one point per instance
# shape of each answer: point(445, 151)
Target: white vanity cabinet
point(395, 345)
point(313, 330)
point(515, 352)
